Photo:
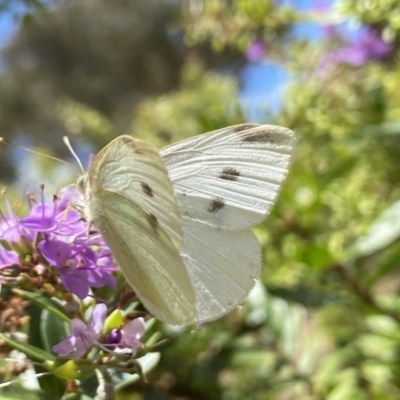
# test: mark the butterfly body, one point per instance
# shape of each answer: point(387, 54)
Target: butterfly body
point(178, 222)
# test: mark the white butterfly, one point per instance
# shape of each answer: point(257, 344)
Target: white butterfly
point(178, 222)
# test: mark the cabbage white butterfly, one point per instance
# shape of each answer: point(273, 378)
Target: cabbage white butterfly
point(178, 221)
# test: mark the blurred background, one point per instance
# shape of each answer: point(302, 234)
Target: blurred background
point(323, 323)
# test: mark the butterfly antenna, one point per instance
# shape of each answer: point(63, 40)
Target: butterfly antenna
point(68, 144)
point(5, 141)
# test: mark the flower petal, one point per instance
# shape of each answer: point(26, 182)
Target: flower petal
point(98, 318)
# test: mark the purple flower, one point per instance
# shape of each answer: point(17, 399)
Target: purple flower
point(320, 6)
point(61, 255)
point(330, 31)
point(132, 332)
point(82, 260)
point(127, 340)
point(10, 231)
point(369, 46)
point(83, 336)
point(256, 51)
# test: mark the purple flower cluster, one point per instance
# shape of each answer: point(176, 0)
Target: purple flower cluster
point(369, 46)
point(58, 235)
point(256, 51)
point(84, 337)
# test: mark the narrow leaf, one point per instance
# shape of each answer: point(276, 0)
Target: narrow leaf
point(382, 232)
point(52, 329)
point(44, 303)
point(123, 379)
point(387, 128)
point(32, 352)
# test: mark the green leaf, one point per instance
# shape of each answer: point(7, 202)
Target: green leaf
point(7, 246)
point(113, 321)
point(52, 330)
point(386, 128)
point(19, 394)
point(105, 388)
point(347, 386)
point(304, 295)
point(122, 379)
point(32, 352)
point(44, 303)
point(119, 379)
point(89, 385)
point(388, 264)
point(50, 384)
point(315, 256)
point(384, 231)
point(74, 369)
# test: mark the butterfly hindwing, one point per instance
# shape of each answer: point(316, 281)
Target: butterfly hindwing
point(222, 266)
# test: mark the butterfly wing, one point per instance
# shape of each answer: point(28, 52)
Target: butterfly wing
point(226, 182)
point(134, 169)
point(223, 267)
point(230, 178)
point(130, 199)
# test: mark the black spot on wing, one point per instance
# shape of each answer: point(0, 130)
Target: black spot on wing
point(267, 134)
point(229, 174)
point(243, 127)
point(133, 144)
point(127, 140)
point(130, 142)
point(216, 205)
point(152, 220)
point(147, 189)
point(259, 136)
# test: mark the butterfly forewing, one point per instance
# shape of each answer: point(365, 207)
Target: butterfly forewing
point(133, 169)
point(130, 199)
point(148, 259)
point(230, 178)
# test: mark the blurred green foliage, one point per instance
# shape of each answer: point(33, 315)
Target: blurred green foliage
point(324, 323)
